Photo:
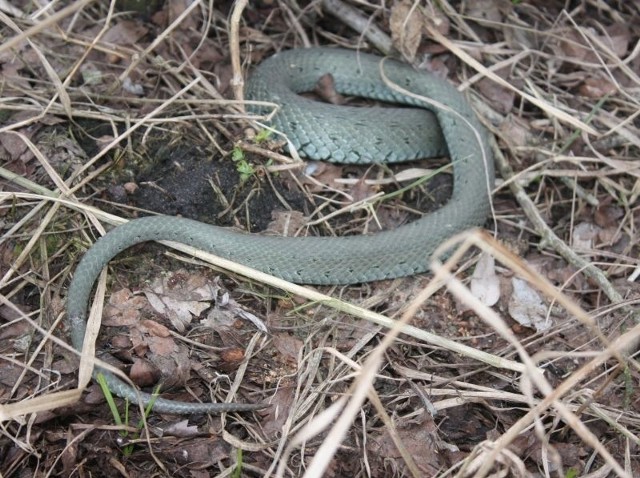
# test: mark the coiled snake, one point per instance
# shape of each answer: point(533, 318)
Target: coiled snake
point(334, 133)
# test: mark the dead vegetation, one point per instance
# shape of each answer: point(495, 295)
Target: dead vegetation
point(519, 361)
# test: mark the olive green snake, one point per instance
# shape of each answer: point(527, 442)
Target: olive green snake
point(334, 133)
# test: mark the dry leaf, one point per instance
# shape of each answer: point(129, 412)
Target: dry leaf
point(326, 90)
point(516, 132)
point(486, 10)
point(500, 97)
point(286, 223)
point(597, 88)
point(406, 24)
point(144, 373)
point(181, 429)
point(125, 32)
point(608, 216)
point(225, 311)
point(360, 190)
point(322, 173)
point(123, 309)
point(584, 235)
point(179, 300)
point(485, 284)
point(527, 307)
point(288, 347)
point(582, 45)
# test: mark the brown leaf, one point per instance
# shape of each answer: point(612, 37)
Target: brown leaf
point(419, 440)
point(597, 88)
point(406, 24)
point(326, 89)
point(582, 45)
point(607, 215)
point(123, 309)
point(232, 356)
point(125, 32)
point(361, 190)
point(286, 223)
point(490, 10)
point(181, 296)
point(154, 328)
point(501, 98)
point(288, 346)
point(516, 132)
point(485, 284)
point(162, 346)
point(181, 429)
point(322, 173)
point(144, 373)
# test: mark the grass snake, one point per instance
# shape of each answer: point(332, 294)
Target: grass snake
point(340, 134)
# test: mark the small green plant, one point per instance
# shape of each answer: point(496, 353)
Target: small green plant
point(128, 449)
point(571, 473)
point(244, 167)
point(262, 136)
point(237, 471)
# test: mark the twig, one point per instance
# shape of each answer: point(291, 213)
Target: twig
point(356, 20)
point(548, 236)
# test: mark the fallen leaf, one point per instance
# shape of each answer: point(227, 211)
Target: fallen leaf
point(326, 90)
point(124, 32)
point(144, 373)
point(288, 347)
point(419, 440)
point(608, 215)
point(181, 296)
point(286, 223)
point(581, 45)
point(181, 429)
point(406, 25)
point(597, 88)
point(584, 235)
point(319, 175)
point(486, 10)
point(516, 132)
point(485, 284)
point(500, 97)
point(154, 328)
point(527, 307)
point(233, 355)
point(123, 309)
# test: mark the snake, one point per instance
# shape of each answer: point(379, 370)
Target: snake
point(430, 118)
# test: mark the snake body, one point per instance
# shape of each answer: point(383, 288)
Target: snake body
point(340, 134)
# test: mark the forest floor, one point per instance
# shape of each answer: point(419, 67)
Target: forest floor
point(516, 357)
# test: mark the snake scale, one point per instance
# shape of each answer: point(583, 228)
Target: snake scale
point(333, 133)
